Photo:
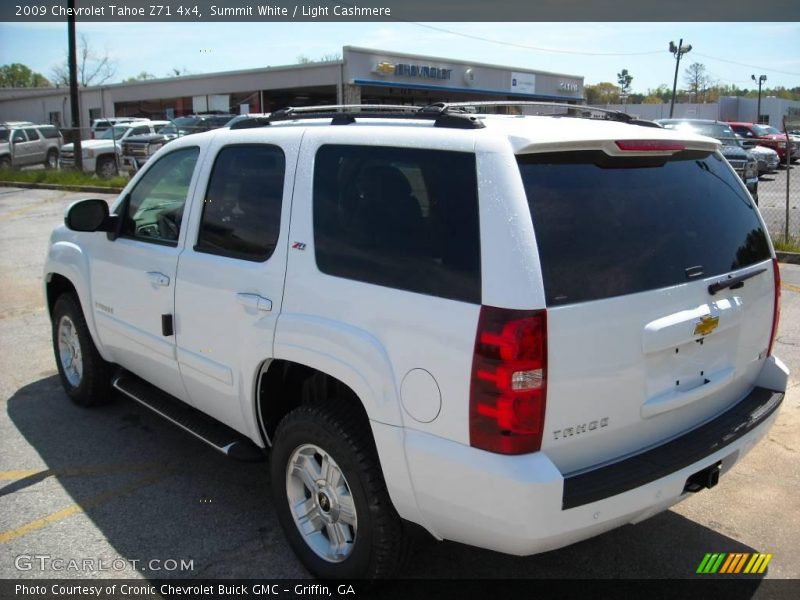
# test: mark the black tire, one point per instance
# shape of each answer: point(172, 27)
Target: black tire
point(93, 385)
point(106, 167)
point(51, 161)
point(380, 541)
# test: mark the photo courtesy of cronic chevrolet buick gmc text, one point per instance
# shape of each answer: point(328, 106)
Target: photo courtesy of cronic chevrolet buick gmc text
point(514, 331)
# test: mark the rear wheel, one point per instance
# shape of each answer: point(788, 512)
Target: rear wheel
point(5, 162)
point(330, 495)
point(86, 377)
point(106, 167)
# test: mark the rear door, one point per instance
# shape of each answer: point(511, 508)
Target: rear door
point(35, 146)
point(639, 348)
point(230, 278)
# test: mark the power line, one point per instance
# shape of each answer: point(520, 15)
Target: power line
point(526, 47)
point(733, 62)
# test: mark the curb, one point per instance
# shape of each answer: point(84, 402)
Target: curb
point(792, 258)
point(94, 189)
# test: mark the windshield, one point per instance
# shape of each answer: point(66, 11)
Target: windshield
point(186, 121)
point(765, 130)
point(719, 131)
point(113, 133)
point(168, 129)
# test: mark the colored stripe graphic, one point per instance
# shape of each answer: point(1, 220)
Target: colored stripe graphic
point(724, 563)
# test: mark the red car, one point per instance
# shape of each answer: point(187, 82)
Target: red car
point(764, 135)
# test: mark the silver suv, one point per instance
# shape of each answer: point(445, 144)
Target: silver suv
point(24, 144)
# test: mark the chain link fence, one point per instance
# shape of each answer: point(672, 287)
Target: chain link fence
point(779, 202)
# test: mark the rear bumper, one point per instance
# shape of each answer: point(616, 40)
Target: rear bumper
point(525, 505)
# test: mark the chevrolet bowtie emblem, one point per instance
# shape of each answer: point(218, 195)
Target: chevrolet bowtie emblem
point(706, 325)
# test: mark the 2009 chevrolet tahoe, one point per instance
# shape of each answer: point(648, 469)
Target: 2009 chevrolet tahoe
point(515, 331)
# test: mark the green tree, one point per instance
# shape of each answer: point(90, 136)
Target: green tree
point(19, 76)
point(604, 92)
point(624, 79)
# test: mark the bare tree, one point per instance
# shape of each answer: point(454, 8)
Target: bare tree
point(93, 68)
point(697, 80)
point(178, 72)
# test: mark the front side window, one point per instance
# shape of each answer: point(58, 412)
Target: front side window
point(399, 217)
point(19, 137)
point(242, 208)
point(154, 209)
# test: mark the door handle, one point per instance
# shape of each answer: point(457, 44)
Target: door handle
point(157, 278)
point(254, 301)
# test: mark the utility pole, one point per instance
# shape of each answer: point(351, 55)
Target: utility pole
point(677, 52)
point(74, 99)
point(761, 79)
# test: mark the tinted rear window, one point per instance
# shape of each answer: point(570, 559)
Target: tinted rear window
point(606, 228)
point(49, 132)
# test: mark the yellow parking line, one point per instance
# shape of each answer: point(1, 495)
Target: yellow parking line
point(60, 515)
point(76, 471)
point(790, 287)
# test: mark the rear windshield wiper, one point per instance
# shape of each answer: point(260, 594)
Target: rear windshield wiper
point(734, 282)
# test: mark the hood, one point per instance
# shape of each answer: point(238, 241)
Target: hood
point(732, 151)
point(90, 144)
point(762, 150)
point(148, 138)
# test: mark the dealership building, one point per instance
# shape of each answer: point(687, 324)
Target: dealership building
point(361, 76)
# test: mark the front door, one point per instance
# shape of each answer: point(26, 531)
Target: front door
point(133, 277)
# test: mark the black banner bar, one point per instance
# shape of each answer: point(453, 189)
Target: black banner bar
point(402, 10)
point(736, 587)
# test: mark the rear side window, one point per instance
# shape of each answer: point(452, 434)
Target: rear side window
point(33, 135)
point(399, 217)
point(242, 208)
point(49, 132)
point(609, 227)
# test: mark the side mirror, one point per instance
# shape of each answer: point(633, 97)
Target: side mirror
point(89, 215)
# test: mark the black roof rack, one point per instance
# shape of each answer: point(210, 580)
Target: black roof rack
point(571, 110)
point(344, 114)
point(456, 115)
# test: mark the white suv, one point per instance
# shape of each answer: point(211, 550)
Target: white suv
point(515, 331)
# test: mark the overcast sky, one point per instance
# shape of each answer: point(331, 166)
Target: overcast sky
point(731, 52)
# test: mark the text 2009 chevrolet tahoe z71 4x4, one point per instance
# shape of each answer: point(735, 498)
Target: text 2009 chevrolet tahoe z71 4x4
point(515, 331)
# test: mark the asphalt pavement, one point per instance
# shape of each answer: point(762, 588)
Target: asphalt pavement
point(137, 497)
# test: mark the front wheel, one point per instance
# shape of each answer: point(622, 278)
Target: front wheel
point(86, 377)
point(106, 167)
point(330, 495)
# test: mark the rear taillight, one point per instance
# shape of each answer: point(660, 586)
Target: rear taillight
point(509, 381)
point(776, 308)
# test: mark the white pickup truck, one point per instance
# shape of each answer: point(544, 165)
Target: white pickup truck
point(102, 154)
point(514, 331)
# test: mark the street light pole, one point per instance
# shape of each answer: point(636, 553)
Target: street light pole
point(677, 52)
point(761, 79)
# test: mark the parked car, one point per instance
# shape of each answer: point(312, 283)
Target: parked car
point(742, 160)
point(201, 122)
point(768, 159)
point(136, 150)
point(517, 332)
point(23, 143)
point(765, 135)
point(100, 125)
point(101, 155)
